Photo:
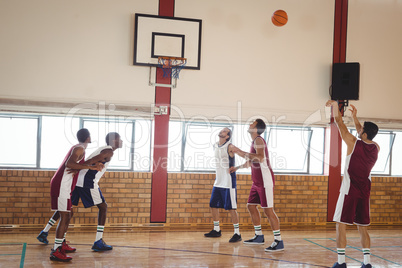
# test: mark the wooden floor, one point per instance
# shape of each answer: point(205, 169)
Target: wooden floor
point(178, 248)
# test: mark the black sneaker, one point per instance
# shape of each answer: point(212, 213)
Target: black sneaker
point(276, 246)
point(213, 233)
point(235, 238)
point(256, 240)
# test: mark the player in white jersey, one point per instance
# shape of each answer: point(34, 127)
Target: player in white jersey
point(88, 190)
point(224, 189)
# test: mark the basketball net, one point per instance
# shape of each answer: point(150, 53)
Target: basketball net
point(171, 66)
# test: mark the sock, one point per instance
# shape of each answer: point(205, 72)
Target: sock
point(341, 255)
point(257, 230)
point(57, 243)
point(99, 232)
point(236, 228)
point(366, 255)
point(64, 237)
point(216, 226)
point(277, 235)
point(49, 225)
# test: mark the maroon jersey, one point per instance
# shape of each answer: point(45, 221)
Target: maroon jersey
point(358, 167)
point(262, 173)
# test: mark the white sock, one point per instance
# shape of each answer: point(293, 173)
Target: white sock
point(366, 252)
point(64, 237)
point(49, 225)
point(257, 230)
point(216, 226)
point(99, 232)
point(57, 243)
point(277, 235)
point(341, 255)
point(236, 228)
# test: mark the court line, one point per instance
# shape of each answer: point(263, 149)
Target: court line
point(356, 248)
point(24, 248)
point(212, 253)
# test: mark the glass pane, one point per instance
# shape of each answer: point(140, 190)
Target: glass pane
point(287, 149)
point(317, 151)
point(99, 130)
point(175, 146)
point(58, 131)
point(18, 138)
point(397, 155)
point(199, 152)
point(142, 145)
point(241, 139)
point(383, 139)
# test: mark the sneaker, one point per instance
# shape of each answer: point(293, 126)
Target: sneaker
point(235, 238)
point(42, 237)
point(213, 233)
point(368, 265)
point(276, 246)
point(256, 240)
point(59, 255)
point(100, 245)
point(337, 265)
point(67, 248)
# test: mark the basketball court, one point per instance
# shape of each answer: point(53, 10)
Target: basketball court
point(189, 248)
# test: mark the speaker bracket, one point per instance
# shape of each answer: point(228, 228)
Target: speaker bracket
point(342, 104)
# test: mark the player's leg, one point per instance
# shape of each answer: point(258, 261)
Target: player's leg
point(57, 254)
point(215, 202)
point(42, 237)
point(273, 219)
point(366, 244)
point(235, 220)
point(344, 214)
point(95, 197)
point(253, 201)
point(362, 220)
point(67, 248)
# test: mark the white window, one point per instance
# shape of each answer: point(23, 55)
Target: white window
point(19, 140)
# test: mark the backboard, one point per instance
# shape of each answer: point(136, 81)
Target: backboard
point(158, 36)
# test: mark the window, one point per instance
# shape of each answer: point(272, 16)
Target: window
point(198, 146)
point(19, 140)
point(288, 149)
point(58, 135)
point(99, 129)
point(142, 145)
point(397, 155)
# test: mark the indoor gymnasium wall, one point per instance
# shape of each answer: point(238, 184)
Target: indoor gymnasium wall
point(75, 51)
point(25, 199)
point(375, 40)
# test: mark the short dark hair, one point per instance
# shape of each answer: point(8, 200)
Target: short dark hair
point(111, 136)
point(229, 134)
point(260, 126)
point(83, 134)
point(370, 129)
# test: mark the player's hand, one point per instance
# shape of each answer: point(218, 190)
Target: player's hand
point(331, 103)
point(232, 169)
point(97, 166)
point(353, 110)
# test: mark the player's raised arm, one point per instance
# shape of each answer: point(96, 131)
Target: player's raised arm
point(103, 156)
point(355, 120)
point(347, 137)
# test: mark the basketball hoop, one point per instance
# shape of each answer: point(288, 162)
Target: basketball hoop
point(171, 66)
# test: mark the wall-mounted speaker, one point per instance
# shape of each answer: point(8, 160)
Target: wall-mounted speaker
point(345, 81)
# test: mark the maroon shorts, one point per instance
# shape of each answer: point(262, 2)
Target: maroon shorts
point(353, 208)
point(261, 196)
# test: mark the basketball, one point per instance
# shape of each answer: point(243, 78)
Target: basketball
point(279, 18)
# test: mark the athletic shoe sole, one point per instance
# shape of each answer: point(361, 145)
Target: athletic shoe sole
point(254, 243)
point(53, 258)
point(270, 250)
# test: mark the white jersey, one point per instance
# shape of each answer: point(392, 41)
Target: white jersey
point(223, 161)
point(88, 178)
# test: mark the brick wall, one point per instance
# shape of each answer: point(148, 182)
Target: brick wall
point(24, 199)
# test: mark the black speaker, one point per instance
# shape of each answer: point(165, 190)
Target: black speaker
point(345, 81)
